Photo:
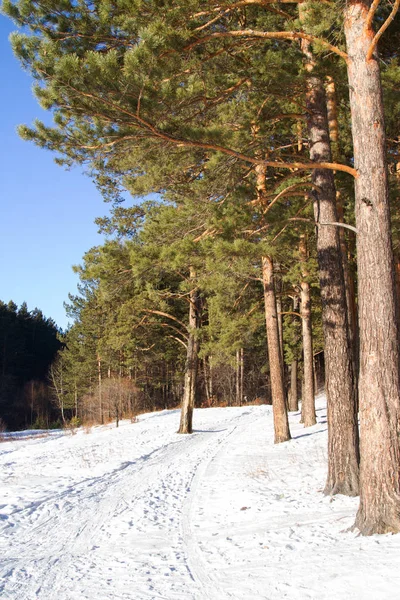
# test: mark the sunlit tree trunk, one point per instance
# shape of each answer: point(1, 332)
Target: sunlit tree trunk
point(100, 390)
point(207, 386)
point(281, 422)
point(308, 400)
point(190, 383)
point(379, 392)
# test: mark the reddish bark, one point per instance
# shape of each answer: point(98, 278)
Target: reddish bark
point(281, 422)
point(343, 457)
point(379, 388)
point(190, 384)
point(308, 400)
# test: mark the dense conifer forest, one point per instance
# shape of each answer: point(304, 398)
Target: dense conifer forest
point(268, 135)
point(29, 343)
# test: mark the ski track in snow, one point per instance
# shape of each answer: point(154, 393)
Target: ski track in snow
point(142, 513)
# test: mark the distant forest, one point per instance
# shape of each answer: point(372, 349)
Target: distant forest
point(28, 343)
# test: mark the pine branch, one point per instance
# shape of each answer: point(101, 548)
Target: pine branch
point(286, 192)
point(164, 314)
point(335, 224)
point(244, 3)
point(269, 35)
point(178, 340)
point(371, 14)
point(382, 30)
point(154, 132)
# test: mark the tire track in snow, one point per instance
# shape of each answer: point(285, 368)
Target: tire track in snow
point(71, 524)
point(199, 567)
point(77, 523)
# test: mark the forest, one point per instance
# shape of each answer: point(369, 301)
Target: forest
point(249, 151)
point(29, 344)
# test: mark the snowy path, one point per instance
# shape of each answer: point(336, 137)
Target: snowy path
point(142, 513)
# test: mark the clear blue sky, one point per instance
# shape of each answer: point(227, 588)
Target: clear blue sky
point(47, 213)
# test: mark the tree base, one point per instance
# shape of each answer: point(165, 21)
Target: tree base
point(184, 430)
point(345, 488)
point(281, 439)
point(375, 526)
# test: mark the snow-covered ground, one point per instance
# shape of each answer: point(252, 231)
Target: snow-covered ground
point(141, 513)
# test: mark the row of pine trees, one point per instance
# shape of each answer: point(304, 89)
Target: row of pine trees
point(269, 132)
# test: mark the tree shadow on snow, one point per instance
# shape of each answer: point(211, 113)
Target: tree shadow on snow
point(209, 430)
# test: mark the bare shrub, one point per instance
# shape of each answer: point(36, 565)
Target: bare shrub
point(115, 399)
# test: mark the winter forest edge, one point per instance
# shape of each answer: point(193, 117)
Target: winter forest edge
point(257, 262)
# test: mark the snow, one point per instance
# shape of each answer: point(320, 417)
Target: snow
point(141, 513)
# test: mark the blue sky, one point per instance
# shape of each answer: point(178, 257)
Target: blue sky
point(47, 213)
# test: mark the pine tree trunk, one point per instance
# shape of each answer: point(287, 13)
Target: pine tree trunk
point(100, 391)
point(190, 382)
point(206, 381)
point(281, 423)
point(332, 110)
point(241, 375)
point(343, 452)
point(280, 325)
point(397, 279)
point(379, 393)
point(349, 284)
point(238, 403)
point(293, 394)
point(350, 288)
point(211, 378)
point(308, 400)
point(76, 398)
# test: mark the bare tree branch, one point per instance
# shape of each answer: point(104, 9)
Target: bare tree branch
point(268, 35)
point(382, 30)
point(168, 316)
point(334, 224)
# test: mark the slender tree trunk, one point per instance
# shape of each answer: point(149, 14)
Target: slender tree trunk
point(343, 452)
point(350, 287)
point(238, 403)
point(100, 391)
point(211, 377)
point(308, 400)
point(62, 395)
point(348, 280)
point(293, 393)
point(76, 398)
point(206, 381)
point(241, 375)
point(281, 423)
point(190, 383)
point(379, 390)
point(280, 325)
